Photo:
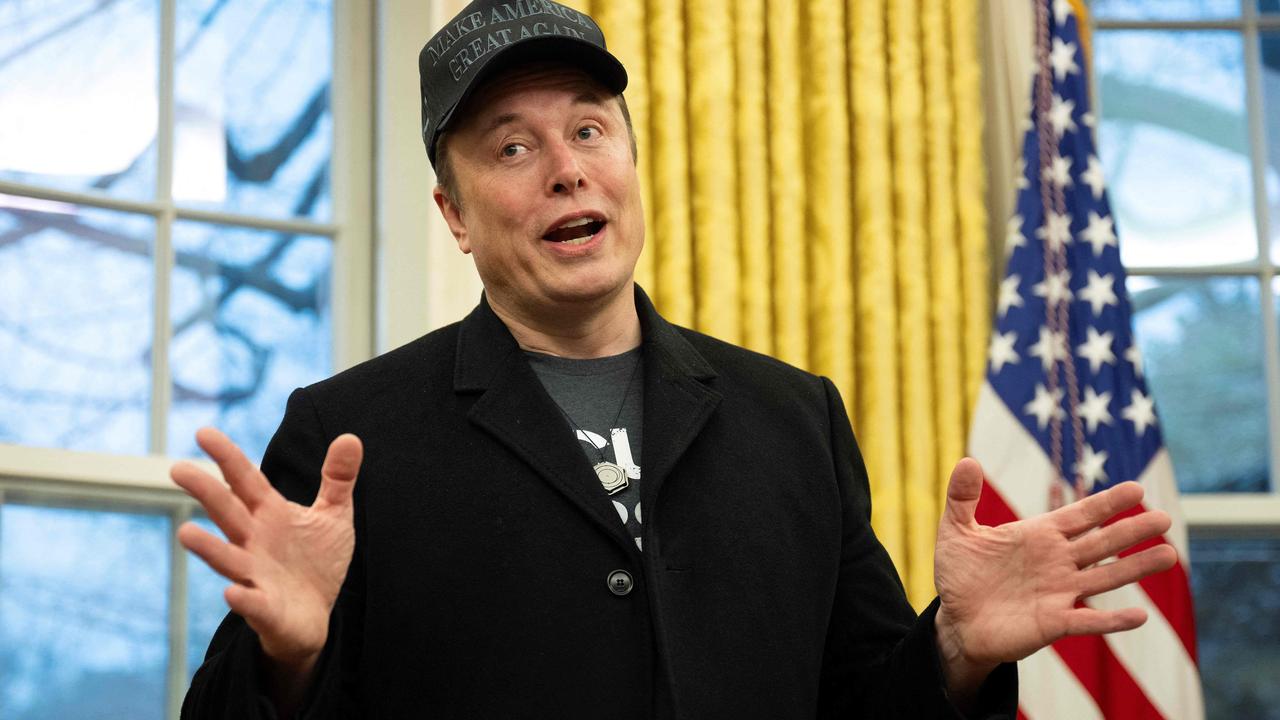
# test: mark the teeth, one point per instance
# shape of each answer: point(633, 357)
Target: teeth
point(577, 241)
point(577, 223)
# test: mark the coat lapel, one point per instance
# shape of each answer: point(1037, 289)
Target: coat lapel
point(677, 399)
point(517, 411)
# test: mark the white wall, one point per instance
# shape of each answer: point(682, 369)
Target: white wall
point(422, 281)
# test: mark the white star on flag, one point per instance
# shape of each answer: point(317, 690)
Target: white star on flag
point(1092, 176)
point(1057, 230)
point(1063, 59)
point(1060, 116)
point(1095, 409)
point(1054, 288)
point(1097, 349)
point(1050, 348)
point(1020, 174)
point(1045, 405)
point(1141, 412)
point(1013, 237)
point(1059, 172)
point(1062, 10)
point(1100, 233)
point(1134, 356)
point(1090, 467)
point(1001, 350)
point(1100, 291)
point(1009, 296)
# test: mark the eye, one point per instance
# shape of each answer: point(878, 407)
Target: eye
point(513, 149)
point(588, 132)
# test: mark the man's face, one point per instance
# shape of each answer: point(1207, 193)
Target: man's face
point(549, 198)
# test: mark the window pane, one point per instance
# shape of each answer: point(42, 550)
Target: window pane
point(205, 605)
point(1201, 343)
point(75, 326)
point(1237, 587)
point(254, 130)
point(1175, 146)
point(1268, 6)
point(251, 322)
point(1270, 48)
point(83, 613)
point(78, 88)
point(1165, 9)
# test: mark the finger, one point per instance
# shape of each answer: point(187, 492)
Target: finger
point(241, 474)
point(1112, 539)
point(224, 508)
point(230, 561)
point(341, 465)
point(249, 603)
point(1091, 621)
point(1109, 576)
point(1096, 509)
point(963, 492)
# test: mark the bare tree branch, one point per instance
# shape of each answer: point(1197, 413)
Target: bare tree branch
point(55, 31)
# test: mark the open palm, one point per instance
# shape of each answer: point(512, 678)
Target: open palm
point(286, 561)
point(1008, 591)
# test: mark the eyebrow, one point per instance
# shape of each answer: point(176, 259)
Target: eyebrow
point(583, 98)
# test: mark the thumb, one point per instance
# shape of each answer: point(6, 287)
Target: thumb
point(963, 492)
point(341, 464)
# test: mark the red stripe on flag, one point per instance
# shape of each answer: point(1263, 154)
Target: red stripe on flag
point(992, 508)
point(1170, 591)
point(1105, 678)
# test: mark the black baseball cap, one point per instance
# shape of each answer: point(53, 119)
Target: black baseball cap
point(488, 36)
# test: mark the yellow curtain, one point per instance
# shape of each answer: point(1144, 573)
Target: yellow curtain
point(814, 187)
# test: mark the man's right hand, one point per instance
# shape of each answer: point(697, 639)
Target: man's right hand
point(286, 562)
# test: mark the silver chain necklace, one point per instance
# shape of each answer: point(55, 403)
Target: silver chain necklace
point(611, 475)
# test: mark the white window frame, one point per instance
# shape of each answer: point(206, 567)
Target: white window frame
point(63, 478)
point(1220, 514)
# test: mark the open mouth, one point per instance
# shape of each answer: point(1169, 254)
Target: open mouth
point(575, 232)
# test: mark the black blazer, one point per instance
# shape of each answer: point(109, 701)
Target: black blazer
point(483, 543)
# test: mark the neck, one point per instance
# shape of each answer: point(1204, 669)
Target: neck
point(608, 327)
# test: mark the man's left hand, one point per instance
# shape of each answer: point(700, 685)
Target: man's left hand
point(1010, 590)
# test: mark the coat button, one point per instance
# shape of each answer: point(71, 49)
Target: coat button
point(620, 582)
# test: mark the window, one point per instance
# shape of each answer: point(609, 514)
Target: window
point(1189, 99)
point(185, 190)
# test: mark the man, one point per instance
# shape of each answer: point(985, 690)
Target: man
point(480, 568)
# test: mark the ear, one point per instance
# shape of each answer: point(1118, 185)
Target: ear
point(452, 214)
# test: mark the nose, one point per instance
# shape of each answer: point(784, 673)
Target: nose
point(565, 175)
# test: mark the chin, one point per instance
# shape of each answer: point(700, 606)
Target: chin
point(588, 289)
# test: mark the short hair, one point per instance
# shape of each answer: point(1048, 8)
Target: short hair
point(447, 183)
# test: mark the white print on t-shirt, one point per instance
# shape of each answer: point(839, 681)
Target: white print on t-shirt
point(621, 449)
point(622, 456)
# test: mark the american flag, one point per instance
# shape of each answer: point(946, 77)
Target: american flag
point(1065, 411)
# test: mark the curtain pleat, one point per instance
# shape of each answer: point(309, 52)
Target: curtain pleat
point(787, 184)
point(911, 236)
point(877, 416)
point(946, 305)
point(671, 234)
point(756, 294)
point(711, 111)
point(813, 174)
point(966, 74)
point(827, 218)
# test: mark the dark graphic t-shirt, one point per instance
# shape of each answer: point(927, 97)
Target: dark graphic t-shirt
point(602, 403)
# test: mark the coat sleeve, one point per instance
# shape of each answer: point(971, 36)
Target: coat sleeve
point(230, 683)
point(880, 659)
